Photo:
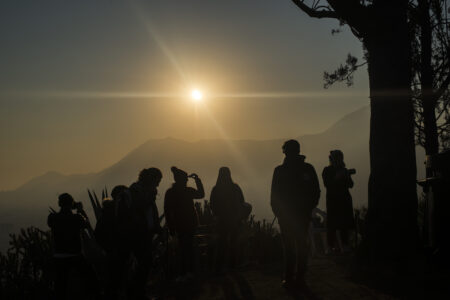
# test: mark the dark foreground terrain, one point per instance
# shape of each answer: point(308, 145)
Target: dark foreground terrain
point(327, 278)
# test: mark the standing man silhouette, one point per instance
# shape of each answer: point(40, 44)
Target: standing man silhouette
point(295, 193)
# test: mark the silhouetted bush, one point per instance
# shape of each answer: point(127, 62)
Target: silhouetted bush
point(259, 241)
point(25, 268)
point(264, 241)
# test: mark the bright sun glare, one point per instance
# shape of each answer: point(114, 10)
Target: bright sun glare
point(196, 95)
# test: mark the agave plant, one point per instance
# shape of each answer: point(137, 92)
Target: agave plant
point(96, 204)
point(25, 268)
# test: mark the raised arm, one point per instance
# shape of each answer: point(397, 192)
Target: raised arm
point(84, 220)
point(200, 192)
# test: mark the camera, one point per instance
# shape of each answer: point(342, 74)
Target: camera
point(77, 205)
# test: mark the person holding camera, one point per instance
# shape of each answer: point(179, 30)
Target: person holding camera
point(66, 227)
point(181, 216)
point(337, 180)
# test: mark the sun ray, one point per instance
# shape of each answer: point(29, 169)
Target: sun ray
point(151, 29)
point(248, 170)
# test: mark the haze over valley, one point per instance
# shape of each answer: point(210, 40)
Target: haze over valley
point(251, 162)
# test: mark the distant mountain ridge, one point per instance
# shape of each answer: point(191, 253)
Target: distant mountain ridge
point(170, 151)
point(251, 163)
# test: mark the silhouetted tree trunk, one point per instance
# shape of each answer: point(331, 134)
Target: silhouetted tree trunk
point(392, 210)
point(382, 26)
point(429, 25)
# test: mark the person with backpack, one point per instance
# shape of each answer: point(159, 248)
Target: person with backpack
point(295, 193)
point(143, 224)
point(337, 180)
point(227, 202)
point(181, 217)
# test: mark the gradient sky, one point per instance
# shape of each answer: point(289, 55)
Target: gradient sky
point(84, 82)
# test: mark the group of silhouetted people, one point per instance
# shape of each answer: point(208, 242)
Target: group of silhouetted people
point(294, 195)
point(129, 222)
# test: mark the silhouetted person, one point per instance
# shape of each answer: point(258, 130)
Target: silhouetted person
point(143, 224)
point(66, 228)
point(181, 216)
point(227, 200)
point(337, 180)
point(111, 233)
point(105, 229)
point(123, 213)
point(295, 193)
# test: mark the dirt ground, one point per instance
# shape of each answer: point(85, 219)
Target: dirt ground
point(326, 278)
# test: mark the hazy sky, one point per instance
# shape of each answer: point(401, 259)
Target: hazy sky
point(84, 82)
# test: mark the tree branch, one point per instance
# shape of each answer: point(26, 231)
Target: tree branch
point(315, 12)
point(444, 86)
point(353, 13)
point(445, 105)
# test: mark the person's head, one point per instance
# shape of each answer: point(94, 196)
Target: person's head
point(108, 205)
point(117, 190)
point(291, 148)
point(336, 158)
point(224, 176)
point(180, 176)
point(65, 201)
point(150, 177)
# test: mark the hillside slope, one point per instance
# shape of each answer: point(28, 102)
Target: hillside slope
point(251, 162)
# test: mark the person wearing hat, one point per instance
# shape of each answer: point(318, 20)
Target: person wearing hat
point(295, 193)
point(337, 180)
point(181, 216)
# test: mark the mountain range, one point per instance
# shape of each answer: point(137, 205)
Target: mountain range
point(251, 163)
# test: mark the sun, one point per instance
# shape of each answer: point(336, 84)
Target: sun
point(196, 95)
